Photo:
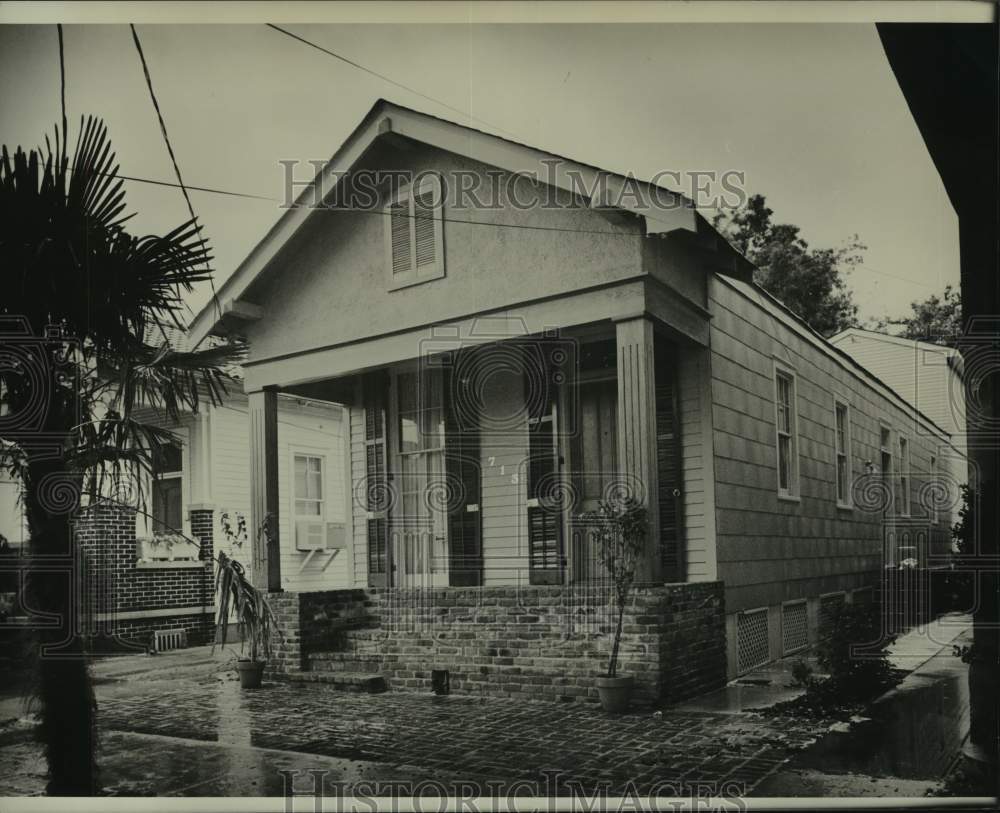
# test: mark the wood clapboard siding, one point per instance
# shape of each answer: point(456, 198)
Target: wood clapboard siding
point(358, 495)
point(772, 550)
point(919, 373)
point(306, 430)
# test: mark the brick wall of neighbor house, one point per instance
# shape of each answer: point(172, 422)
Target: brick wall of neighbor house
point(543, 642)
point(773, 551)
point(131, 601)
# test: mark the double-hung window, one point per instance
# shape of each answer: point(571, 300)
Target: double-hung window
point(885, 456)
point(414, 233)
point(784, 404)
point(309, 502)
point(842, 417)
point(167, 492)
point(904, 477)
point(935, 517)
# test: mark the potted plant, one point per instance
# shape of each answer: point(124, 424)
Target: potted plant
point(255, 619)
point(620, 527)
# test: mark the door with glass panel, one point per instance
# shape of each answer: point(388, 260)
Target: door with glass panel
point(419, 521)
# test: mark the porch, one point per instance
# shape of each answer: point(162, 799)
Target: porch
point(477, 460)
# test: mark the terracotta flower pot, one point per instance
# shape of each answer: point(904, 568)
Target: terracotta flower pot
point(251, 673)
point(615, 693)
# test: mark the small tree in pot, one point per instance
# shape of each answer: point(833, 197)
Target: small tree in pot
point(254, 616)
point(620, 529)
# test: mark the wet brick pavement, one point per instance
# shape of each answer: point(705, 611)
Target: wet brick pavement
point(467, 738)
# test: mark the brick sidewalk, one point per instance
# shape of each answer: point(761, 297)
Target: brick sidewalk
point(469, 738)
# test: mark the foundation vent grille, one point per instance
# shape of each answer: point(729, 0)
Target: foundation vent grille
point(164, 640)
point(794, 627)
point(751, 639)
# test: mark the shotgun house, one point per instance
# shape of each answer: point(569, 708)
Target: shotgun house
point(514, 337)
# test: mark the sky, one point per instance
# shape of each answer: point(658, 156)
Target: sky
point(811, 113)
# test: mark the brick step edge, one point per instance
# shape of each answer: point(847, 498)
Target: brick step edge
point(347, 681)
point(368, 666)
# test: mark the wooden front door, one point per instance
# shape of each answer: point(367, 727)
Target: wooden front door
point(594, 457)
point(419, 521)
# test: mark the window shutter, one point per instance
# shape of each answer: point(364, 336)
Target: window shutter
point(424, 231)
point(399, 215)
point(669, 464)
point(414, 235)
point(545, 544)
point(374, 388)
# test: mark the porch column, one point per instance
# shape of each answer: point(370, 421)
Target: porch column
point(266, 569)
point(637, 429)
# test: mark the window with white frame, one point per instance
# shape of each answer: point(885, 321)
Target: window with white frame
point(885, 455)
point(935, 517)
point(784, 404)
point(903, 500)
point(167, 489)
point(843, 451)
point(309, 502)
point(414, 233)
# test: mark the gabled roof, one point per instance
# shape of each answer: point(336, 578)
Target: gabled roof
point(663, 211)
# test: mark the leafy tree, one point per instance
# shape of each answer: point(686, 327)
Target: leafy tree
point(620, 527)
point(807, 280)
point(937, 319)
point(80, 297)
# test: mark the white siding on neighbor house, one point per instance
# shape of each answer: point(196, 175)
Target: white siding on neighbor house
point(919, 372)
point(311, 430)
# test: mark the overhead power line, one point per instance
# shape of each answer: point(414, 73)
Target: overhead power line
point(387, 79)
point(173, 158)
point(62, 82)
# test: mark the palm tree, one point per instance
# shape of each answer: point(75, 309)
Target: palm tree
point(81, 299)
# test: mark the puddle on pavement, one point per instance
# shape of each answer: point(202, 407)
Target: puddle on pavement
point(914, 733)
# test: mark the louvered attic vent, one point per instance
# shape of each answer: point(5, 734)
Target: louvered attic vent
point(414, 234)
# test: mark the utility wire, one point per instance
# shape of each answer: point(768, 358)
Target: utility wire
point(62, 82)
point(173, 160)
point(862, 267)
point(191, 188)
point(385, 78)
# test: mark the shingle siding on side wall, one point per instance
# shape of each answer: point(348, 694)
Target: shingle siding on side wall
point(770, 550)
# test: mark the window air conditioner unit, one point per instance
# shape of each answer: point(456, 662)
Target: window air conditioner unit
point(313, 535)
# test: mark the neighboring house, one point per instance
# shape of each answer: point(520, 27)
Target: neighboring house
point(503, 368)
point(931, 377)
point(150, 569)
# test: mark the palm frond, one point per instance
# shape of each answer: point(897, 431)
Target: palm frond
point(236, 596)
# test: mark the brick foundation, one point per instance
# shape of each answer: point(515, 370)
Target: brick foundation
point(128, 602)
point(530, 641)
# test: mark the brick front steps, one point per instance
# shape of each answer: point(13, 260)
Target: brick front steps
point(345, 681)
